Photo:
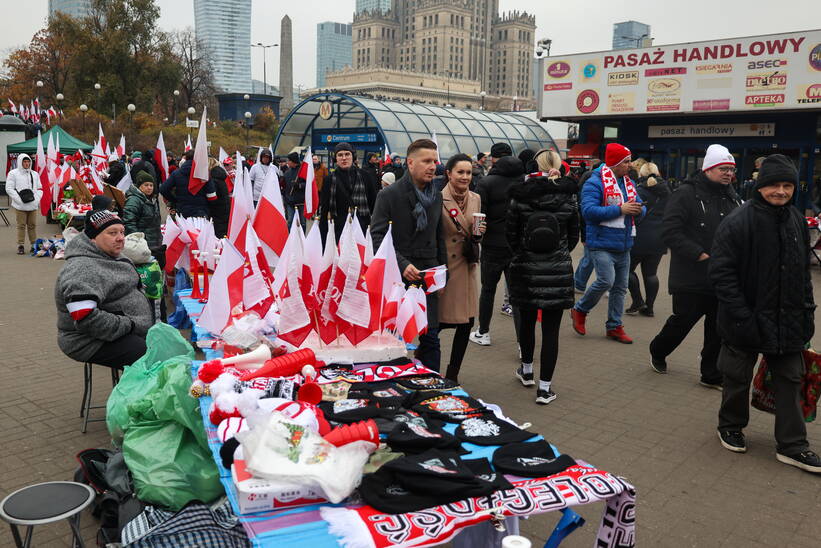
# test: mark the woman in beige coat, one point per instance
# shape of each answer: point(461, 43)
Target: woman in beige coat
point(458, 300)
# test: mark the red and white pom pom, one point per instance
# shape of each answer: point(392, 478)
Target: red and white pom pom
point(210, 370)
point(224, 406)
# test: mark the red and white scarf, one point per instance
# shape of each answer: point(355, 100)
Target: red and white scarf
point(612, 196)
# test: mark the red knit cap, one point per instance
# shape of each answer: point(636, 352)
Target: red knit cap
point(615, 154)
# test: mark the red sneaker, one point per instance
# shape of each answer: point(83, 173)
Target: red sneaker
point(578, 318)
point(619, 335)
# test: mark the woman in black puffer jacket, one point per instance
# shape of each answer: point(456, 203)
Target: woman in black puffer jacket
point(648, 247)
point(542, 228)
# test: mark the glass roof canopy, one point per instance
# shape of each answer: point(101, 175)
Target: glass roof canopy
point(397, 124)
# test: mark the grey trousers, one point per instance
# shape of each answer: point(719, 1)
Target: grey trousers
point(737, 367)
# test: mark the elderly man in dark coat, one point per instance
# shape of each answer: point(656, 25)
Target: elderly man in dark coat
point(761, 271)
point(414, 207)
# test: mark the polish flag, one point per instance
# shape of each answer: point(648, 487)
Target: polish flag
point(368, 248)
point(160, 158)
point(51, 157)
point(242, 210)
point(336, 285)
point(13, 106)
point(199, 165)
point(42, 167)
point(435, 278)
point(421, 310)
point(101, 140)
point(256, 286)
point(269, 218)
point(187, 144)
point(391, 307)
point(387, 159)
point(354, 305)
point(80, 309)
point(294, 322)
point(306, 172)
point(313, 264)
point(120, 148)
point(225, 292)
point(326, 327)
point(406, 317)
point(125, 183)
point(381, 277)
point(222, 155)
point(174, 244)
point(359, 238)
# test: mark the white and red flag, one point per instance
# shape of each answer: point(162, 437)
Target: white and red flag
point(354, 305)
point(408, 318)
point(242, 210)
point(199, 165)
point(326, 326)
point(391, 306)
point(42, 167)
point(173, 243)
point(257, 284)
point(187, 145)
point(294, 322)
point(101, 139)
point(125, 183)
point(387, 159)
point(160, 158)
point(435, 278)
point(381, 277)
point(119, 150)
point(306, 172)
point(13, 106)
point(269, 218)
point(222, 155)
point(313, 265)
point(225, 292)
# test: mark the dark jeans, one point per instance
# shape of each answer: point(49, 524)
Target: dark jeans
point(494, 263)
point(551, 321)
point(458, 348)
point(121, 352)
point(649, 267)
point(688, 308)
point(787, 369)
point(428, 352)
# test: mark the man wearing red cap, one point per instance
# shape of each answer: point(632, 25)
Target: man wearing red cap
point(610, 207)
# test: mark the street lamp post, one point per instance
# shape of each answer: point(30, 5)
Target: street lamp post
point(247, 126)
point(60, 98)
point(97, 86)
point(190, 112)
point(131, 108)
point(176, 95)
point(482, 94)
point(264, 63)
point(84, 109)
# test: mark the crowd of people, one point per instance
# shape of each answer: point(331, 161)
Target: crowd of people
point(742, 265)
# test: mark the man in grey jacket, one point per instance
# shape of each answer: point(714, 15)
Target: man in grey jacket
point(102, 314)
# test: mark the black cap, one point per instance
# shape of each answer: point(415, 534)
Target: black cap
point(776, 168)
point(293, 157)
point(343, 146)
point(499, 150)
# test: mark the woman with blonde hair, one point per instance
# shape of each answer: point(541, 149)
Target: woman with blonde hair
point(542, 228)
point(648, 247)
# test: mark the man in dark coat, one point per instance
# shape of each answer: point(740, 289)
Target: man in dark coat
point(294, 189)
point(175, 190)
point(761, 271)
point(221, 207)
point(495, 260)
point(414, 208)
point(348, 188)
point(691, 219)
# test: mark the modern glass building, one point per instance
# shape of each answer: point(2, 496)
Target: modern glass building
point(371, 125)
point(74, 8)
point(372, 5)
point(630, 34)
point(224, 26)
point(333, 48)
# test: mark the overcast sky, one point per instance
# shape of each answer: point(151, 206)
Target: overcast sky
point(585, 26)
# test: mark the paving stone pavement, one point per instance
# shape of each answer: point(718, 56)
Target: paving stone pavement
point(612, 411)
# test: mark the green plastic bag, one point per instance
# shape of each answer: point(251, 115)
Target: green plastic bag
point(165, 444)
point(165, 346)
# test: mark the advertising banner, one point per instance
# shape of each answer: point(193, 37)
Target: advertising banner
point(772, 72)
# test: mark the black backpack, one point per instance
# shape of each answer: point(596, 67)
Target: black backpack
point(541, 232)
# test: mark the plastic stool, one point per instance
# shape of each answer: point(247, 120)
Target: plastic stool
point(86, 406)
point(46, 503)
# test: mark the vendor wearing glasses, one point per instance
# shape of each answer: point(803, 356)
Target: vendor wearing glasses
point(691, 218)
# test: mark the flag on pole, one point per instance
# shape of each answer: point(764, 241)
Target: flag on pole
point(433, 138)
point(13, 106)
point(188, 144)
point(391, 306)
point(199, 165)
point(435, 278)
point(101, 140)
point(387, 159)
point(269, 218)
point(381, 277)
point(326, 327)
point(225, 292)
point(294, 322)
point(306, 172)
point(160, 158)
point(406, 316)
point(125, 183)
point(368, 248)
point(222, 155)
point(354, 305)
point(256, 285)
point(174, 245)
point(42, 163)
point(120, 149)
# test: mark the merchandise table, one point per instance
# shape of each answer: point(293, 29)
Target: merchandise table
point(362, 525)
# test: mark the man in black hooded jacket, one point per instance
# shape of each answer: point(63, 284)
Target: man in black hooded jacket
point(761, 271)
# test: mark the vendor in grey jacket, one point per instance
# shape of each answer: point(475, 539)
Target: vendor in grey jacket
point(102, 315)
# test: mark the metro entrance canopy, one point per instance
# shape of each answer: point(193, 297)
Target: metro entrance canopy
point(325, 119)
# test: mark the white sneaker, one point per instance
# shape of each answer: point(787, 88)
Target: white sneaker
point(482, 339)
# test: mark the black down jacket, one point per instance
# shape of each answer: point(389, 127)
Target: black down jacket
point(493, 190)
point(648, 232)
point(761, 271)
point(691, 218)
point(542, 280)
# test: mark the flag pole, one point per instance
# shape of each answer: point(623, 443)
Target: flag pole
point(316, 328)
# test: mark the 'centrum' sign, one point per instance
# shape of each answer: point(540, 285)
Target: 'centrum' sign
point(712, 130)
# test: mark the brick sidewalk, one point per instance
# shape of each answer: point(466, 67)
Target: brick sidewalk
point(612, 411)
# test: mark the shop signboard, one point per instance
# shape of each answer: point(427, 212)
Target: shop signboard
point(711, 130)
point(771, 72)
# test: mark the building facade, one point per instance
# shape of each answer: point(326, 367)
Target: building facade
point(333, 48)
point(372, 5)
point(459, 41)
point(74, 8)
point(631, 34)
point(224, 26)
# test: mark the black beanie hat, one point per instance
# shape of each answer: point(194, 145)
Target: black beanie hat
point(530, 459)
point(776, 168)
point(499, 150)
point(293, 157)
point(100, 202)
point(98, 221)
point(343, 146)
point(490, 430)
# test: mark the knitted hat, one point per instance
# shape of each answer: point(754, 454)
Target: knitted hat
point(717, 155)
point(412, 438)
point(776, 168)
point(136, 154)
point(343, 146)
point(614, 154)
point(429, 382)
point(98, 221)
point(490, 430)
point(388, 178)
point(144, 177)
point(447, 407)
point(101, 202)
point(530, 459)
point(293, 157)
point(500, 150)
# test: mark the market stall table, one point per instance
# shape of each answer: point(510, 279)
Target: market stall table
point(307, 525)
